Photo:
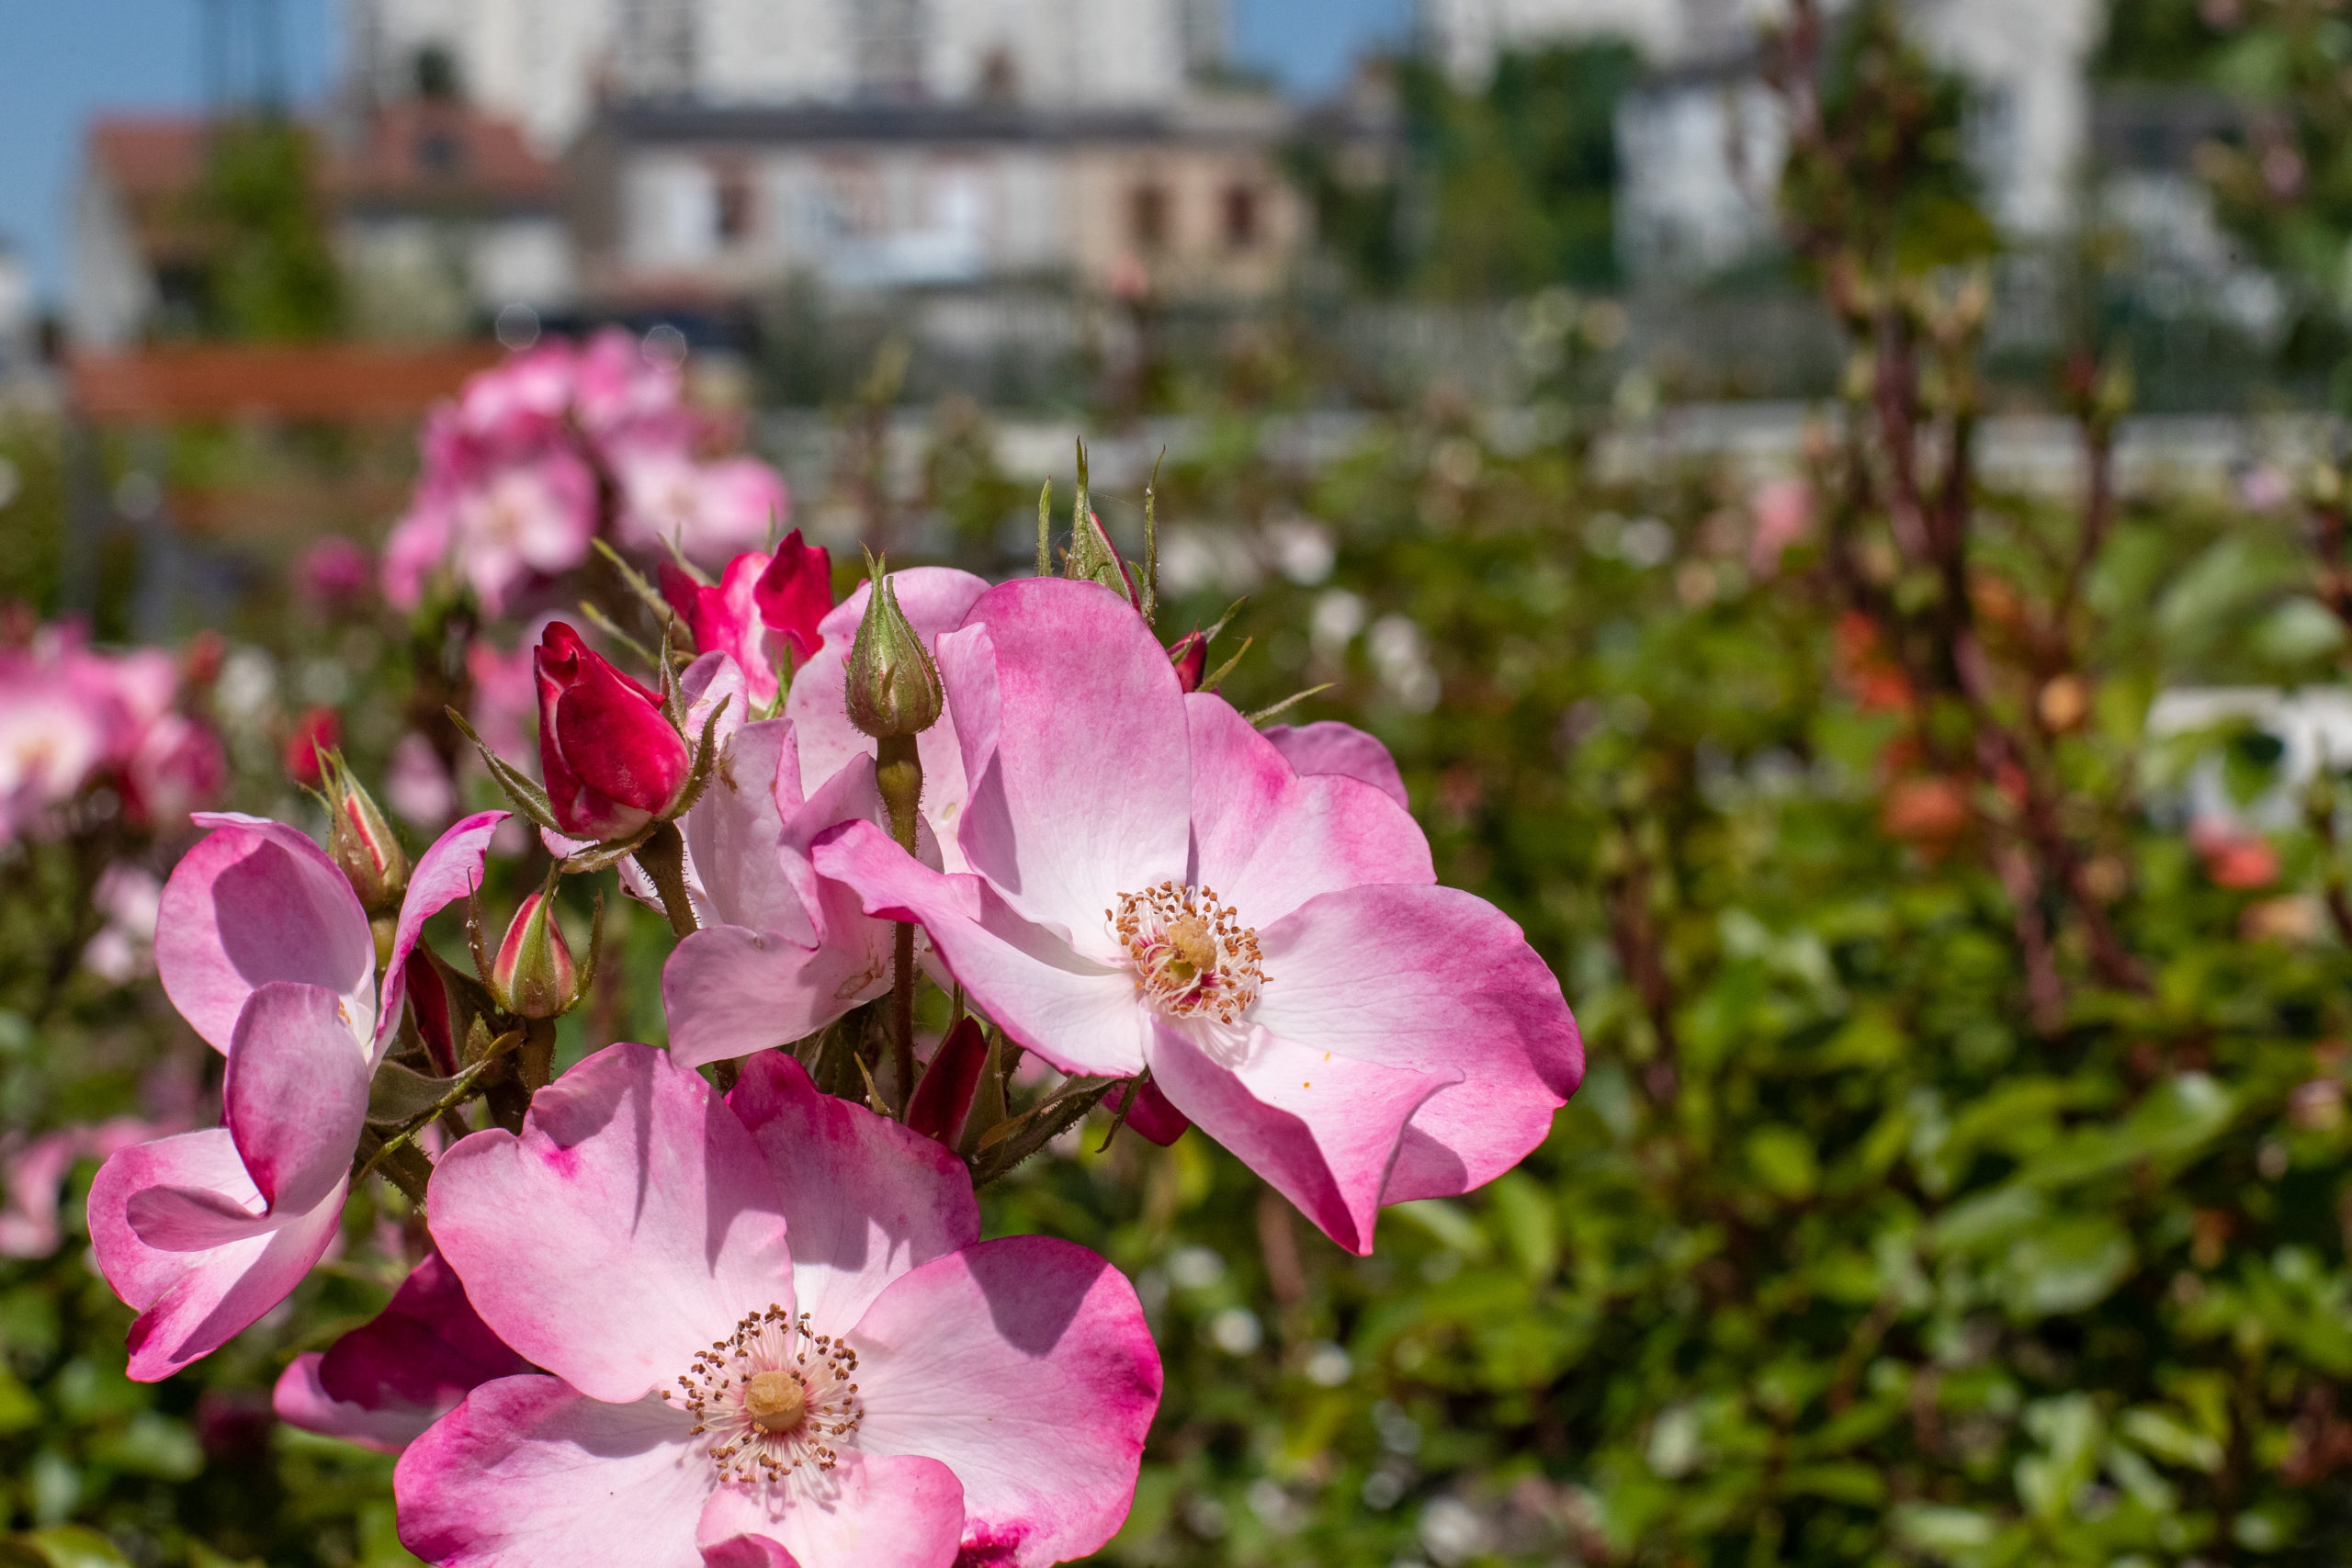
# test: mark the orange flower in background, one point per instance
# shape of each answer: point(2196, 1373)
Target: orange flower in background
point(2233, 856)
point(1865, 670)
point(1929, 811)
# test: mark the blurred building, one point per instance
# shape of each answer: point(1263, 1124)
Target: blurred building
point(549, 63)
point(445, 215)
point(439, 214)
point(698, 200)
point(1700, 144)
point(138, 247)
point(717, 147)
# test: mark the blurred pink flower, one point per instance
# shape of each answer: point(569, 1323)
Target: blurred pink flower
point(33, 1170)
point(334, 574)
point(416, 787)
point(517, 469)
point(712, 510)
point(1783, 512)
point(124, 948)
point(71, 715)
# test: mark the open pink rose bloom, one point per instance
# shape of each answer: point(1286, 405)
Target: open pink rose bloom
point(768, 1317)
point(265, 950)
point(1155, 886)
point(724, 1302)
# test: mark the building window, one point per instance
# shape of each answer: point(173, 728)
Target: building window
point(1241, 218)
point(438, 153)
point(733, 200)
point(1147, 216)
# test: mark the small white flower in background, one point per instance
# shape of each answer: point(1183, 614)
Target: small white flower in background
point(1452, 1531)
point(1235, 1331)
point(1401, 654)
point(1303, 549)
point(1328, 1366)
point(1339, 615)
point(1674, 1442)
point(1191, 559)
point(248, 684)
point(1646, 542)
point(1278, 1509)
point(1195, 1268)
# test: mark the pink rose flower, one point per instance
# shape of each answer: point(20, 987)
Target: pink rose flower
point(265, 950)
point(771, 1335)
point(610, 757)
point(763, 610)
point(1154, 885)
point(384, 1383)
point(712, 510)
point(783, 952)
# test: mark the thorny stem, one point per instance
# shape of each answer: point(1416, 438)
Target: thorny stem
point(897, 773)
point(663, 858)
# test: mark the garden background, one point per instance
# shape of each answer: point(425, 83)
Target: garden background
point(1960, 1176)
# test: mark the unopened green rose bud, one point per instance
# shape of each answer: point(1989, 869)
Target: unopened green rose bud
point(360, 839)
point(893, 685)
point(534, 974)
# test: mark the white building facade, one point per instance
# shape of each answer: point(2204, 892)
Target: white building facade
point(549, 63)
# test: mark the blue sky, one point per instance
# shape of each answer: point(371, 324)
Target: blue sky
point(60, 60)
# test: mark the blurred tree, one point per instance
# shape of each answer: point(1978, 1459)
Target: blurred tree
point(272, 276)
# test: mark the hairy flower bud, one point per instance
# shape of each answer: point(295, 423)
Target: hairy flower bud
point(360, 839)
point(534, 974)
point(893, 687)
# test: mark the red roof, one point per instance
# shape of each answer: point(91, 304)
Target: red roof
point(431, 152)
point(150, 156)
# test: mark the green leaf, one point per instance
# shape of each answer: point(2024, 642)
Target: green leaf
point(63, 1546)
point(2064, 1267)
point(1783, 1161)
point(399, 1094)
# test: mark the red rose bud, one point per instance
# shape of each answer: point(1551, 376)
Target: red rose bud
point(945, 1097)
point(428, 1006)
point(361, 841)
point(893, 687)
point(534, 974)
point(795, 594)
point(318, 730)
point(1190, 654)
point(611, 758)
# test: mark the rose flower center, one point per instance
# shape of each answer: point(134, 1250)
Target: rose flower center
point(1192, 956)
point(775, 1400)
point(771, 1398)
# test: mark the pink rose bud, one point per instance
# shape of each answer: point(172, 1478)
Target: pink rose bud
point(1095, 559)
point(944, 1096)
point(361, 841)
point(534, 974)
point(612, 760)
point(794, 592)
